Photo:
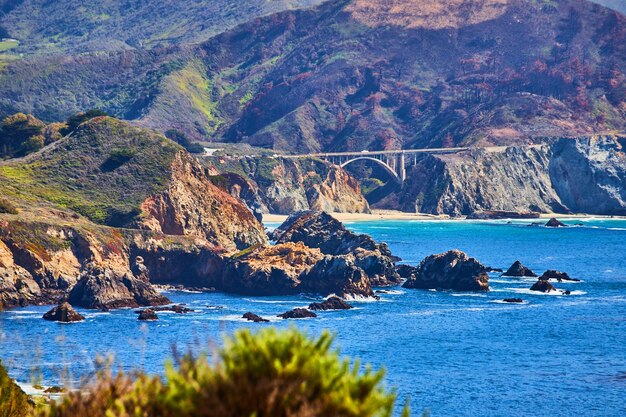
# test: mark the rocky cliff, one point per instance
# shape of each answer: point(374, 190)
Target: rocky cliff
point(583, 175)
point(283, 185)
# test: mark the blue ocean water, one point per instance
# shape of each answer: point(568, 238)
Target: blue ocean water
point(456, 354)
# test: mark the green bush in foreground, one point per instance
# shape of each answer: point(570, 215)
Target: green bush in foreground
point(268, 374)
point(13, 401)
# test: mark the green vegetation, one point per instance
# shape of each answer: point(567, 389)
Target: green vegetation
point(180, 138)
point(7, 207)
point(13, 401)
point(8, 44)
point(104, 171)
point(76, 120)
point(20, 135)
point(268, 374)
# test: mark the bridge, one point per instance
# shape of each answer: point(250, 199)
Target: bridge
point(395, 162)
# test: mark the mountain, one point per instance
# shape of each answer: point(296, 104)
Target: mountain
point(348, 76)
point(72, 26)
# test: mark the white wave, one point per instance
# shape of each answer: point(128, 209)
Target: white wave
point(392, 292)
point(256, 300)
point(361, 298)
point(531, 292)
point(467, 294)
point(506, 302)
point(22, 312)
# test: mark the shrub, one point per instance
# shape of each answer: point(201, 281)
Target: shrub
point(117, 158)
point(21, 134)
point(7, 207)
point(76, 120)
point(13, 401)
point(180, 138)
point(268, 374)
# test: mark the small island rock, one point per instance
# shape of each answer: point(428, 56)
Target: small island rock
point(558, 275)
point(63, 313)
point(297, 313)
point(513, 300)
point(148, 315)
point(519, 270)
point(332, 303)
point(542, 286)
point(555, 223)
point(255, 318)
point(453, 270)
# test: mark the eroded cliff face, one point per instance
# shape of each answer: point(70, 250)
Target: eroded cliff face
point(584, 175)
point(193, 206)
point(283, 185)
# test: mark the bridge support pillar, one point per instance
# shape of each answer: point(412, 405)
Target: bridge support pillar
point(402, 168)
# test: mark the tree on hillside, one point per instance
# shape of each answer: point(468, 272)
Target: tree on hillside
point(76, 120)
point(180, 138)
point(20, 135)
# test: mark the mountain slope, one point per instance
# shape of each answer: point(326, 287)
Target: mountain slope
point(349, 76)
point(77, 26)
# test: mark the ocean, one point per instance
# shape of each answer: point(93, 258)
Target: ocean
point(455, 354)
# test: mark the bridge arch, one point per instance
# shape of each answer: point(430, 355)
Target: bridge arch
point(383, 164)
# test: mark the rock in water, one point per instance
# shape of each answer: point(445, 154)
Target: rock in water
point(63, 313)
point(406, 271)
point(337, 275)
point(255, 318)
point(555, 223)
point(318, 229)
point(297, 313)
point(519, 270)
point(542, 286)
point(100, 288)
point(558, 275)
point(452, 270)
point(332, 303)
point(148, 315)
point(513, 300)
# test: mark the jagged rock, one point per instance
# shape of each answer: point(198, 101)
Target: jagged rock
point(63, 313)
point(17, 286)
point(405, 271)
point(555, 223)
point(100, 287)
point(519, 270)
point(318, 229)
point(332, 303)
point(139, 270)
point(337, 275)
point(513, 300)
point(147, 315)
point(269, 270)
point(558, 275)
point(542, 286)
point(452, 270)
point(499, 215)
point(255, 318)
point(297, 313)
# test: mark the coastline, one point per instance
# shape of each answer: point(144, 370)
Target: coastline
point(399, 215)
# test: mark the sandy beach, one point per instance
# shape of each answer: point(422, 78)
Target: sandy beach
point(399, 215)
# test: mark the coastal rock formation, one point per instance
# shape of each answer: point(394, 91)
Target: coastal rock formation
point(147, 315)
point(519, 270)
point(289, 268)
point(318, 229)
point(103, 288)
point(297, 313)
point(269, 270)
point(501, 214)
point(255, 318)
point(17, 286)
point(555, 223)
point(337, 275)
point(406, 271)
point(331, 303)
point(513, 300)
point(452, 270)
point(558, 275)
point(63, 313)
point(542, 286)
point(284, 185)
point(193, 206)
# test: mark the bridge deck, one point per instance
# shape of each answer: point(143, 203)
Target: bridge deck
point(373, 153)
